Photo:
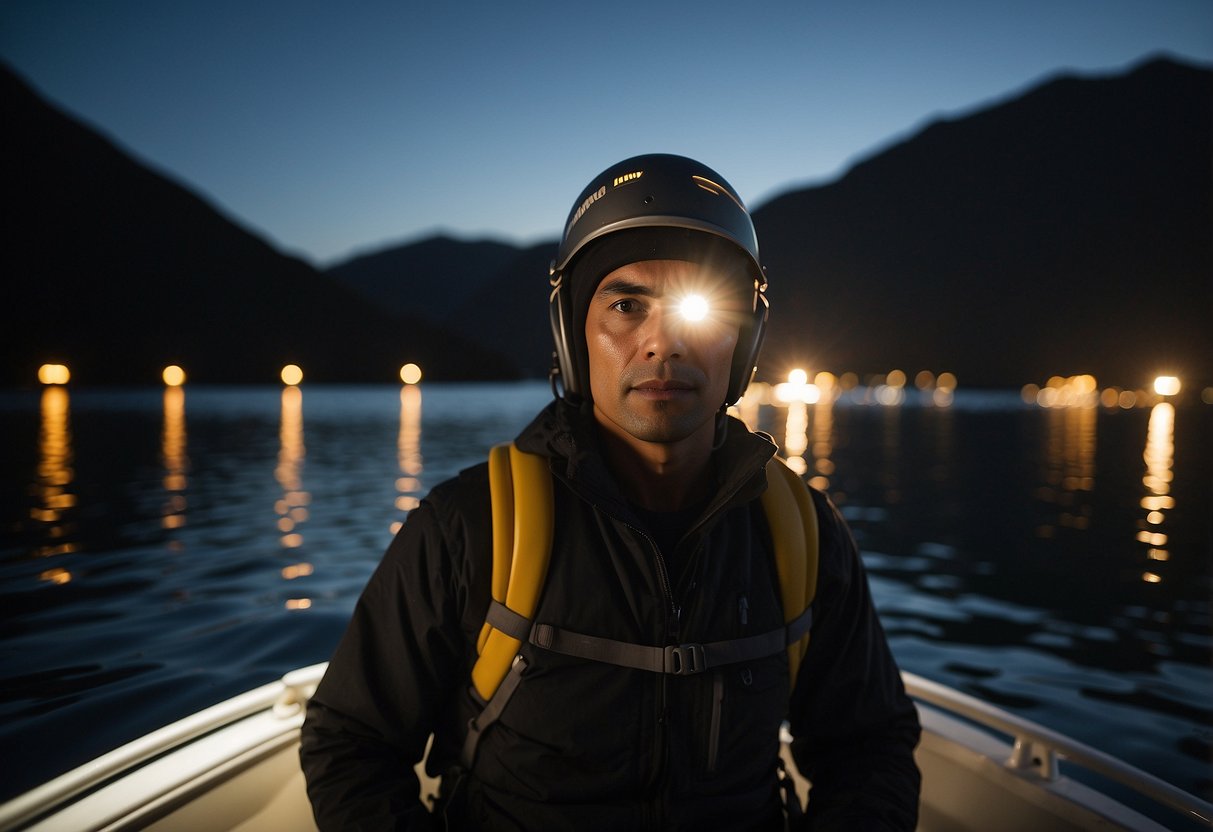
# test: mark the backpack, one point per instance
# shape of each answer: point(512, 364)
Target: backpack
point(520, 487)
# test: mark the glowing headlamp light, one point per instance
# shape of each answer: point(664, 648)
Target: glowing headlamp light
point(693, 307)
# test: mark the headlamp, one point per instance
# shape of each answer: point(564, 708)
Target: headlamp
point(693, 307)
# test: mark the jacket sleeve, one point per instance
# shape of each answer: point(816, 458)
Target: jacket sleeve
point(854, 728)
point(392, 679)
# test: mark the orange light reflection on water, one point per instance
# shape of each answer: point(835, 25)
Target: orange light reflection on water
point(408, 453)
point(292, 506)
point(796, 436)
point(55, 475)
point(823, 442)
point(1069, 465)
point(173, 456)
point(1159, 458)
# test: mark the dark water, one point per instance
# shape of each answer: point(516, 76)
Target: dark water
point(161, 551)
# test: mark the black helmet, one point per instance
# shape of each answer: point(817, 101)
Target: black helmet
point(652, 207)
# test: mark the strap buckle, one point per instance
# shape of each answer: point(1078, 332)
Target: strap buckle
point(685, 659)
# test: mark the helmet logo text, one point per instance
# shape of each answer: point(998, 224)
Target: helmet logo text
point(589, 200)
point(627, 177)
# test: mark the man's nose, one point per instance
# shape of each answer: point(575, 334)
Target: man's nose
point(665, 334)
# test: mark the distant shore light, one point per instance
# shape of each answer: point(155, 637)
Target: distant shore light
point(53, 374)
point(410, 373)
point(797, 389)
point(292, 375)
point(173, 375)
point(1166, 385)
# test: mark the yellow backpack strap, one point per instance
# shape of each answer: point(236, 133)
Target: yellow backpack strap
point(793, 520)
point(520, 488)
point(501, 497)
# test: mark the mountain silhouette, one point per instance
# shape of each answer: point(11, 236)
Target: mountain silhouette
point(117, 271)
point(432, 276)
point(520, 325)
point(489, 292)
point(1067, 230)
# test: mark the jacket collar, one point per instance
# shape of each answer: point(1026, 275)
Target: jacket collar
point(566, 434)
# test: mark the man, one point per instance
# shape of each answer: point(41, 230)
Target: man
point(658, 309)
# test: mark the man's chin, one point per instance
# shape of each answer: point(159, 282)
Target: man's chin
point(662, 423)
point(663, 428)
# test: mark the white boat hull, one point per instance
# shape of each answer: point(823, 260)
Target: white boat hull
point(235, 766)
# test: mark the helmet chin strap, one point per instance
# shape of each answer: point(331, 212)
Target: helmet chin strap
point(554, 378)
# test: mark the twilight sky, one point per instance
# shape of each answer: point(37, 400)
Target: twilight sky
point(338, 128)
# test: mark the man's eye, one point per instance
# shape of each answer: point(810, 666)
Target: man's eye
point(627, 306)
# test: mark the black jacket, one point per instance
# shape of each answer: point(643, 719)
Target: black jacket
point(587, 745)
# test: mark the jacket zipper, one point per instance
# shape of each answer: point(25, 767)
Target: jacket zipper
point(714, 729)
point(673, 625)
point(663, 578)
point(673, 615)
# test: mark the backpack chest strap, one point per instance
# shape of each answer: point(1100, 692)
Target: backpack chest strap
point(674, 659)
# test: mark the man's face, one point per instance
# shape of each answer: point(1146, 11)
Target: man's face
point(656, 373)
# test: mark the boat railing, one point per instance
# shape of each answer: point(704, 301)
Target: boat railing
point(1033, 752)
point(1036, 750)
point(287, 697)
